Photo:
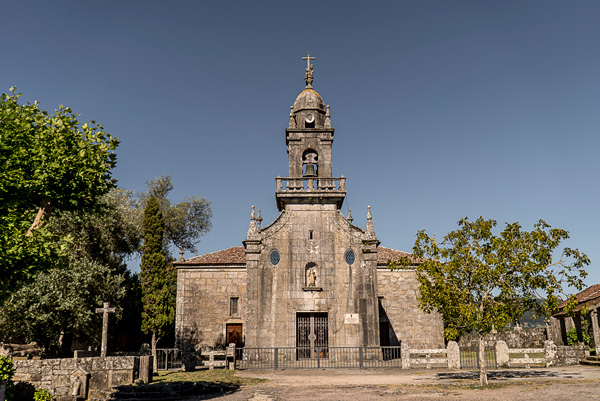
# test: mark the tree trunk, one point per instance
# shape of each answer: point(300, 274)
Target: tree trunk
point(155, 360)
point(65, 342)
point(483, 380)
point(43, 214)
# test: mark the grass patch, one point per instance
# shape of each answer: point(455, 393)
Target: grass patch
point(522, 355)
point(217, 376)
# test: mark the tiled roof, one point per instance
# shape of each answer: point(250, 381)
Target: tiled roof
point(236, 256)
point(586, 296)
point(229, 256)
point(384, 254)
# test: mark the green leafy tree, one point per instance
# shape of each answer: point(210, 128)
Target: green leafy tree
point(185, 221)
point(478, 281)
point(157, 278)
point(48, 163)
point(59, 303)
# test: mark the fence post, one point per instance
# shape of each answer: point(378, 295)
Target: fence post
point(318, 357)
point(405, 355)
point(453, 353)
point(276, 366)
point(502, 357)
point(550, 352)
point(360, 357)
point(145, 373)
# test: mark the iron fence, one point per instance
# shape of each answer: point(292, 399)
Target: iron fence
point(168, 358)
point(469, 357)
point(318, 357)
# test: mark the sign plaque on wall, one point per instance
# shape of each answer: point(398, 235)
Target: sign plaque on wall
point(351, 318)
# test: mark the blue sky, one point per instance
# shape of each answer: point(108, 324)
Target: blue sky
point(442, 109)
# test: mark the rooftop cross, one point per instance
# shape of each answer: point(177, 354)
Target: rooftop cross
point(308, 58)
point(308, 77)
point(105, 310)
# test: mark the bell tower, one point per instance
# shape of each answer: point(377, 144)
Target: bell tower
point(309, 138)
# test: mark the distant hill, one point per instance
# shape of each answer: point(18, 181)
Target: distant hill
point(529, 321)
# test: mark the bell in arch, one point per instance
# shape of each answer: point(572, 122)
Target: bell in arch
point(310, 170)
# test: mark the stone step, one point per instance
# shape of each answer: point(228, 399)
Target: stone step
point(167, 392)
point(590, 362)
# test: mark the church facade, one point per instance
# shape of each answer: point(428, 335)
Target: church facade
point(310, 278)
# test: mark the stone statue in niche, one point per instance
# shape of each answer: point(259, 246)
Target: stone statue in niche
point(311, 277)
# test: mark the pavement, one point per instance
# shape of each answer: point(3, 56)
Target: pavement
point(331, 377)
point(554, 383)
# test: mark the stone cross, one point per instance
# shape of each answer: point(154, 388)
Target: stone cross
point(308, 77)
point(105, 310)
point(308, 58)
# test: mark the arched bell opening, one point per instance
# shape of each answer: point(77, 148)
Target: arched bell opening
point(310, 159)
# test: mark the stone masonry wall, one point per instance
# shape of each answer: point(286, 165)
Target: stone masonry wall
point(318, 236)
point(203, 300)
point(408, 322)
point(59, 376)
point(515, 338)
point(571, 355)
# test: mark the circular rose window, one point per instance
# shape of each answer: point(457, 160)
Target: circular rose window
point(349, 256)
point(274, 257)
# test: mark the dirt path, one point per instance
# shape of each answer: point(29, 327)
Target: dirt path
point(576, 383)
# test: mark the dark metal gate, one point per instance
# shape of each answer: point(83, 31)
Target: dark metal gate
point(312, 337)
point(469, 357)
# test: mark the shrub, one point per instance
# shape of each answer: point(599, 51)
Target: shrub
point(42, 395)
point(7, 371)
point(572, 338)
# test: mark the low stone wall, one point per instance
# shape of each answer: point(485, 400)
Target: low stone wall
point(571, 355)
point(70, 379)
point(549, 355)
point(515, 338)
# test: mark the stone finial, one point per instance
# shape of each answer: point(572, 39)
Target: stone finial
point(259, 220)
point(350, 218)
point(180, 255)
point(252, 231)
point(327, 118)
point(370, 227)
point(292, 123)
point(308, 77)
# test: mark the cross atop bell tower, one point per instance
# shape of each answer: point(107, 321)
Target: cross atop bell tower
point(308, 76)
point(309, 138)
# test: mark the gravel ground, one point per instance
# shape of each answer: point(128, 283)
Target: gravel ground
point(574, 383)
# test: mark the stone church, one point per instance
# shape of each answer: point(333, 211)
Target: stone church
point(310, 278)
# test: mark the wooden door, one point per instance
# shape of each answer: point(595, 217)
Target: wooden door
point(234, 334)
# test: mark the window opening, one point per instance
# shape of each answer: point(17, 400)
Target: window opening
point(234, 306)
point(274, 257)
point(350, 257)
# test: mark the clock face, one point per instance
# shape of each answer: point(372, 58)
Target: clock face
point(310, 117)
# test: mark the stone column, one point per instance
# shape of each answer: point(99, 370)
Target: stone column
point(502, 357)
point(252, 248)
point(453, 355)
point(550, 352)
point(405, 355)
point(595, 329)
